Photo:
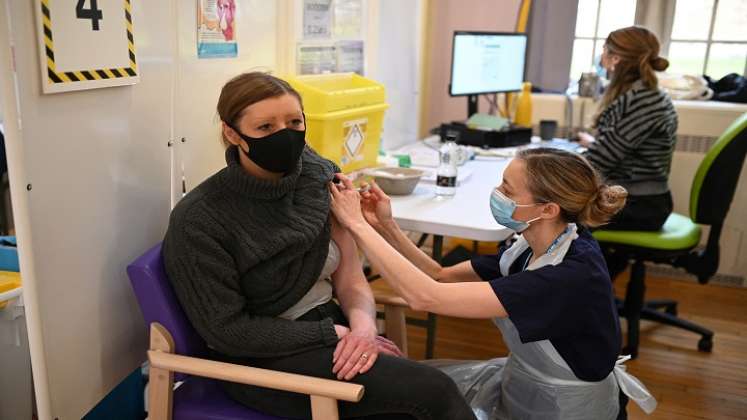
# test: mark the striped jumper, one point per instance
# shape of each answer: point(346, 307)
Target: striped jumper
point(635, 140)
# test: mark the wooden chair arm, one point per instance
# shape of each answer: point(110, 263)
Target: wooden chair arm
point(323, 393)
point(259, 377)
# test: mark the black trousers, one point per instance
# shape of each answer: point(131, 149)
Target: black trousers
point(396, 388)
point(641, 212)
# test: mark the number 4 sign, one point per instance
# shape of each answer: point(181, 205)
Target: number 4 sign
point(86, 44)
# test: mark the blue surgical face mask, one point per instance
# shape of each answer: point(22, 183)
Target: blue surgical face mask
point(600, 70)
point(503, 209)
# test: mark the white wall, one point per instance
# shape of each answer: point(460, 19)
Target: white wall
point(399, 58)
point(99, 167)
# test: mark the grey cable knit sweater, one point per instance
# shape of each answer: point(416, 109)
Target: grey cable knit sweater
point(240, 250)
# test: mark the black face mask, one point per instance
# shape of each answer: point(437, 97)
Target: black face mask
point(279, 152)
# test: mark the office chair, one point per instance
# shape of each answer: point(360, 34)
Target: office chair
point(710, 198)
point(177, 352)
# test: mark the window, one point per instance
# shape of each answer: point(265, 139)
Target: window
point(705, 36)
point(708, 37)
point(595, 20)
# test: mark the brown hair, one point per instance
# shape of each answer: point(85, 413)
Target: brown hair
point(247, 89)
point(638, 49)
point(569, 180)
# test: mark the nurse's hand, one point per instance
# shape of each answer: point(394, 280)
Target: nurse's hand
point(585, 139)
point(341, 331)
point(387, 346)
point(346, 203)
point(377, 208)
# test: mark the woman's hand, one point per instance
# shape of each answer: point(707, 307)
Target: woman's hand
point(356, 353)
point(346, 203)
point(585, 139)
point(377, 208)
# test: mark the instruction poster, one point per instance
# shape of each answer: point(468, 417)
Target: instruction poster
point(340, 57)
point(317, 19)
point(216, 29)
point(316, 59)
point(350, 57)
point(347, 17)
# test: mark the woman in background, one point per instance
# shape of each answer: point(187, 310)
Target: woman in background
point(635, 133)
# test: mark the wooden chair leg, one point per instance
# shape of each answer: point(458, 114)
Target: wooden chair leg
point(161, 381)
point(396, 327)
point(160, 392)
point(324, 408)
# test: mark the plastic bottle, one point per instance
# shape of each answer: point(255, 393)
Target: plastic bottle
point(524, 106)
point(446, 175)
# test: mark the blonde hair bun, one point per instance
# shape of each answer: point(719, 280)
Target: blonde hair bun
point(659, 63)
point(609, 200)
point(570, 181)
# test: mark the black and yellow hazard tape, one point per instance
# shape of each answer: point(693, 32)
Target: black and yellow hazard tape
point(54, 76)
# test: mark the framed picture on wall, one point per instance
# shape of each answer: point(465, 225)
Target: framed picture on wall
point(86, 44)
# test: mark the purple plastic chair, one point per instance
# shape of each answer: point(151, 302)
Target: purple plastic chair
point(201, 398)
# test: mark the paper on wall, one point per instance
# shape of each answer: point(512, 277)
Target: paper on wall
point(348, 18)
point(350, 56)
point(317, 19)
point(216, 29)
point(316, 58)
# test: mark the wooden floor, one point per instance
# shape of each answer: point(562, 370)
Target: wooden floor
point(687, 384)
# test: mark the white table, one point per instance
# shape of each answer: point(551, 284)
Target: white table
point(464, 215)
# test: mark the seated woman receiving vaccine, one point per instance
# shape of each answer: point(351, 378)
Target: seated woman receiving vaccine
point(255, 259)
point(549, 293)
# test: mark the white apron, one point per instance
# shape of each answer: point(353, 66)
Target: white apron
point(534, 382)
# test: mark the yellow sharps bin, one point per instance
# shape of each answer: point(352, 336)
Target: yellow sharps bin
point(8, 281)
point(344, 117)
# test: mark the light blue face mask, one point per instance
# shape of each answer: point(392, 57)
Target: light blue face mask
point(600, 70)
point(503, 209)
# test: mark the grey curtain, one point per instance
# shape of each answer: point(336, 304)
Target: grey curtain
point(658, 17)
point(552, 25)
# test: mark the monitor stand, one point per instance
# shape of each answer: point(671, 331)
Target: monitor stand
point(472, 105)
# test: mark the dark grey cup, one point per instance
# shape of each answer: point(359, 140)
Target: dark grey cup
point(548, 129)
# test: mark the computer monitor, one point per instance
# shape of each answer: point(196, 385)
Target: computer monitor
point(486, 63)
